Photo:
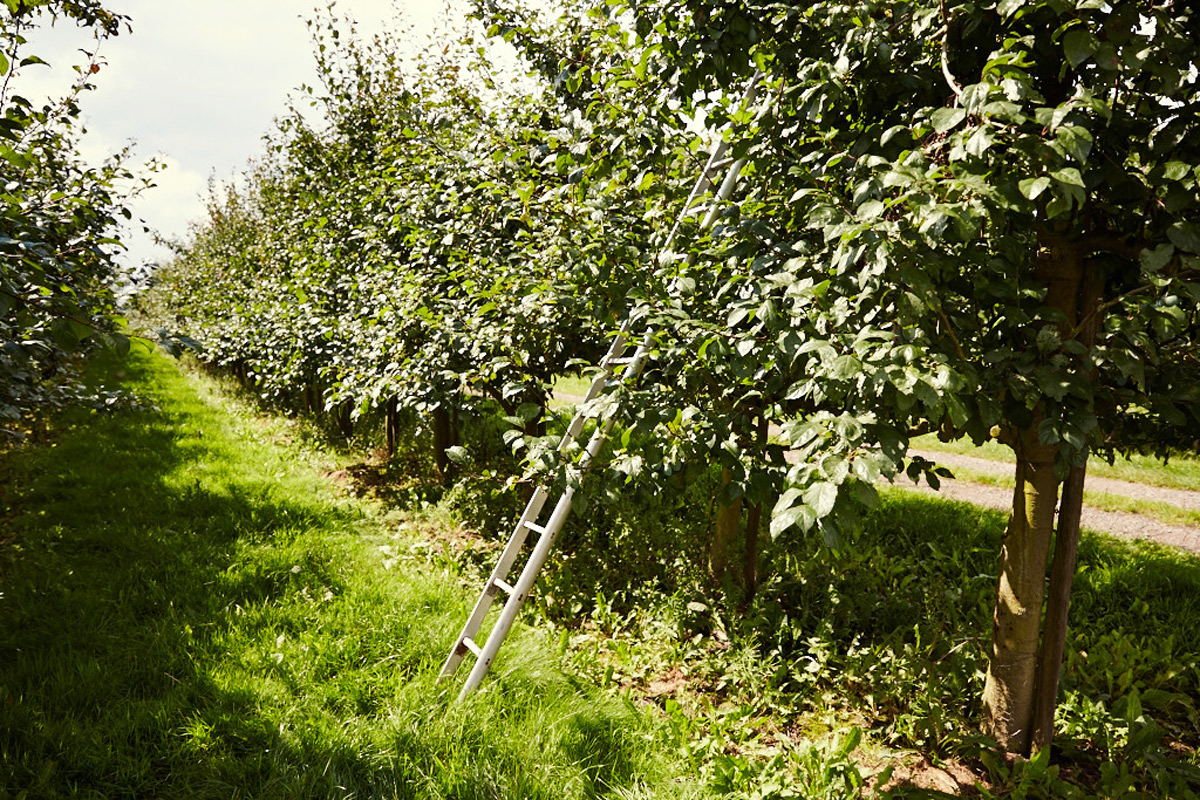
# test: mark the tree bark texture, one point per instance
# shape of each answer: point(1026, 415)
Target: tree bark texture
point(1008, 690)
point(1008, 695)
point(445, 436)
point(343, 416)
point(725, 531)
point(1066, 544)
point(1058, 605)
point(391, 424)
point(754, 525)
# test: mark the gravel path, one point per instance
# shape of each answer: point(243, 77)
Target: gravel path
point(1118, 523)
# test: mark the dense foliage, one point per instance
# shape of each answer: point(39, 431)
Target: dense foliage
point(979, 220)
point(58, 216)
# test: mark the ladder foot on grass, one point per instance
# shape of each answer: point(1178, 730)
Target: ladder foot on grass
point(620, 354)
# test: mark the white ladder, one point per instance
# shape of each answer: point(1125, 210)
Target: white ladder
point(618, 355)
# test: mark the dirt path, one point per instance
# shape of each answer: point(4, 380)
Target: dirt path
point(1180, 498)
point(1118, 523)
point(1124, 524)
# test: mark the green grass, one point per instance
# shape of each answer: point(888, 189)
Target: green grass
point(568, 389)
point(1181, 472)
point(889, 637)
point(188, 609)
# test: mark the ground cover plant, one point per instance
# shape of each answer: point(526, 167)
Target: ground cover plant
point(188, 609)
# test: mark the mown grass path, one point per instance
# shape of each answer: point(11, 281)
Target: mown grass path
point(187, 609)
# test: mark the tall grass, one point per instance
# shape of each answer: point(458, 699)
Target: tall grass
point(189, 609)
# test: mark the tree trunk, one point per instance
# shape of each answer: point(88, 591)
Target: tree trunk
point(754, 523)
point(750, 565)
point(310, 397)
point(1008, 694)
point(444, 437)
point(1058, 604)
point(728, 524)
point(1008, 690)
point(1066, 545)
point(390, 425)
point(344, 419)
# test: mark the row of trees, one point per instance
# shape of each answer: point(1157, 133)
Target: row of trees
point(58, 219)
point(427, 244)
point(976, 220)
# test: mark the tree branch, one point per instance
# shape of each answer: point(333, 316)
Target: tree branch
point(950, 332)
point(953, 83)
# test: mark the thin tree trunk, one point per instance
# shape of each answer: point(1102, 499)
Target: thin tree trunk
point(1008, 694)
point(344, 419)
point(1066, 545)
point(1009, 687)
point(1058, 605)
point(443, 440)
point(729, 520)
point(750, 565)
point(754, 524)
point(390, 425)
point(310, 397)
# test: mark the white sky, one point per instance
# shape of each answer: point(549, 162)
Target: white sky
point(198, 83)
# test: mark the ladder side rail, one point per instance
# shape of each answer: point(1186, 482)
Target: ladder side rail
point(524, 585)
point(515, 542)
point(532, 510)
point(718, 153)
point(541, 550)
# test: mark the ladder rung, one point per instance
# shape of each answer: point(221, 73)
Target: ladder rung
point(538, 529)
point(504, 587)
point(616, 362)
point(469, 643)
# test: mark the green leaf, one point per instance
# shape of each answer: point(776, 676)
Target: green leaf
point(1079, 44)
point(845, 367)
point(1007, 8)
point(1185, 236)
point(782, 520)
point(1068, 175)
point(1058, 207)
point(944, 119)
point(980, 141)
point(1154, 260)
point(1075, 141)
point(821, 497)
point(1032, 187)
point(870, 209)
point(1176, 170)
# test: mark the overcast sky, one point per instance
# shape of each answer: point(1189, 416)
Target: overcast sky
point(198, 83)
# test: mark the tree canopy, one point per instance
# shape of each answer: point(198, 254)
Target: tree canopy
point(58, 220)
